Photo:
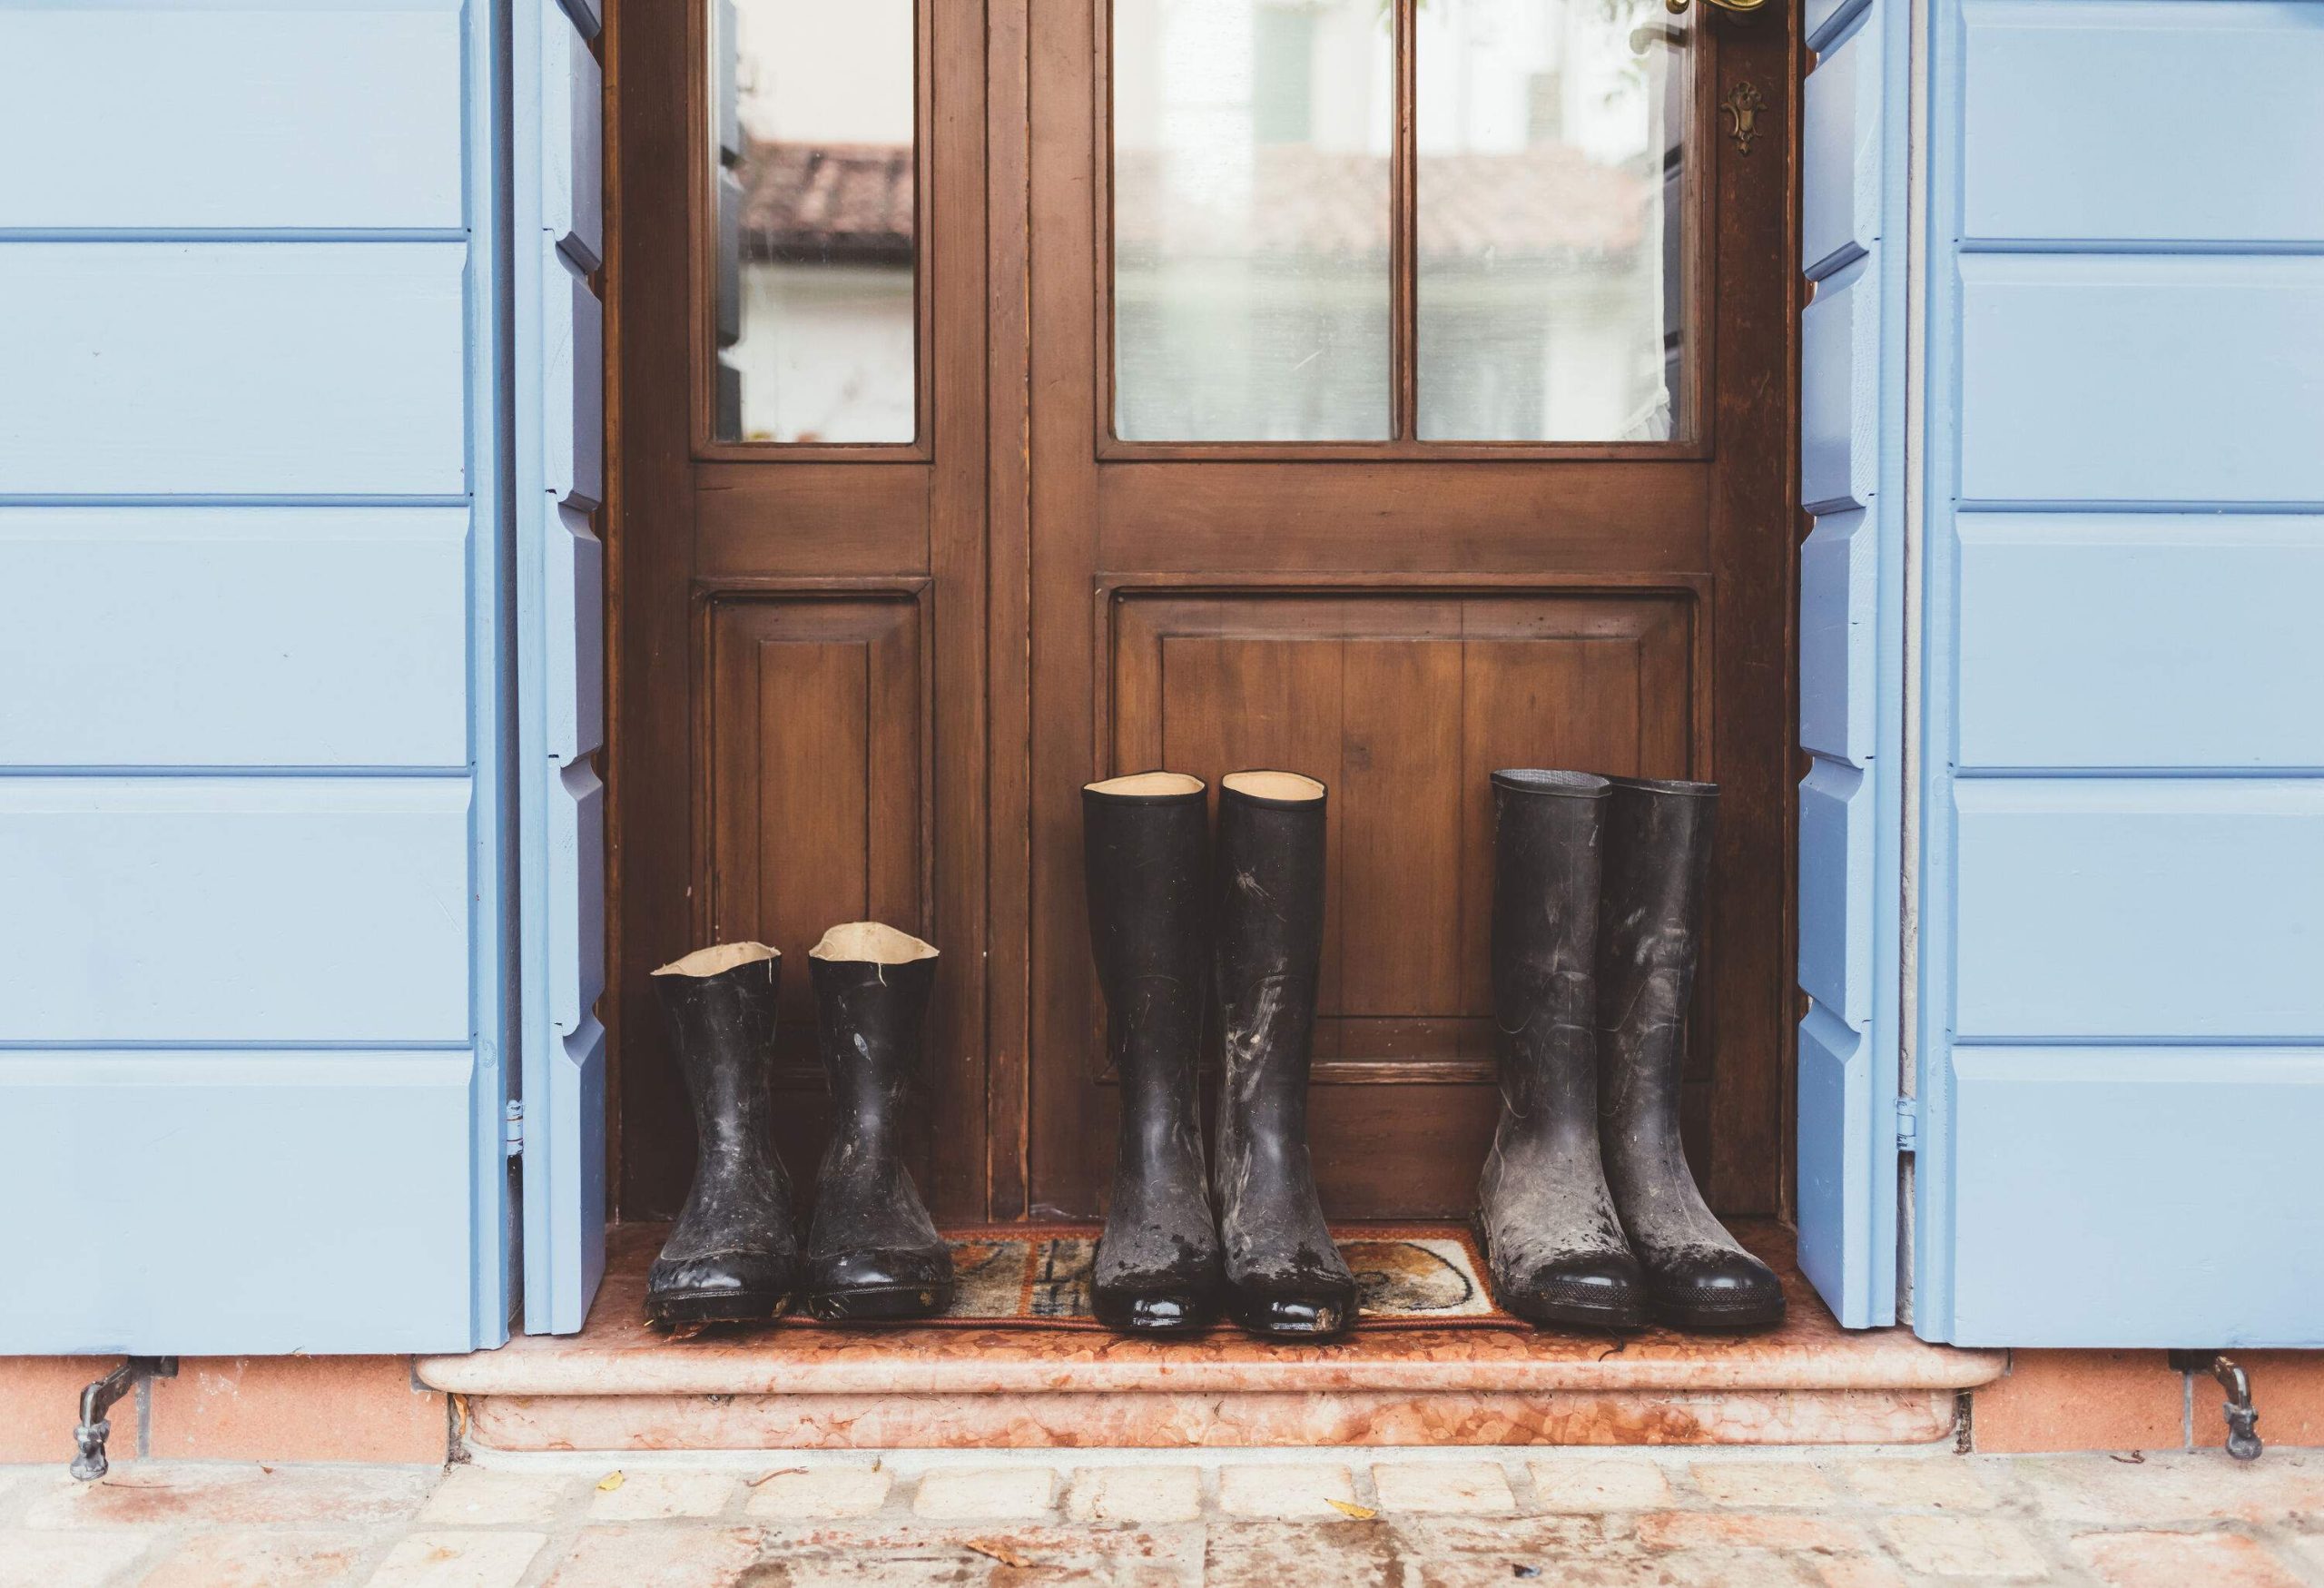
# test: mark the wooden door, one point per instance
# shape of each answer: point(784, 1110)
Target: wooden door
point(800, 590)
point(1400, 533)
point(1411, 399)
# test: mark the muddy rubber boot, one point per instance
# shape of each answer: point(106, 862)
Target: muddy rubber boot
point(1552, 1240)
point(1144, 841)
point(1650, 939)
point(872, 1252)
point(732, 1254)
point(1285, 1278)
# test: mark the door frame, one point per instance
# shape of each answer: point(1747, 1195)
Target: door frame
point(986, 426)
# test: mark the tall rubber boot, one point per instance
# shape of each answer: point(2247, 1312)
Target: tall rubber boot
point(1285, 1278)
point(1551, 1237)
point(732, 1254)
point(872, 1252)
point(1650, 939)
point(1143, 837)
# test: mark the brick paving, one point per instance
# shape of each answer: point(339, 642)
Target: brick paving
point(1398, 1519)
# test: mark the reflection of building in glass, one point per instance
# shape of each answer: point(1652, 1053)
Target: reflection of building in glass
point(825, 244)
point(817, 222)
point(1251, 212)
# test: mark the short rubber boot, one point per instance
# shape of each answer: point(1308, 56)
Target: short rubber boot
point(732, 1254)
point(1553, 1243)
point(873, 1252)
point(1649, 939)
point(1144, 841)
point(1285, 1278)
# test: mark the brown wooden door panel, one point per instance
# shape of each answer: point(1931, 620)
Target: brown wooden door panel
point(1399, 620)
point(1587, 516)
point(800, 640)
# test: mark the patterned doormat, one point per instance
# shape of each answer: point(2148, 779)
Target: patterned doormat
point(1410, 1276)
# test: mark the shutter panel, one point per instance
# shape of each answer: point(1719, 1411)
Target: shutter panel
point(250, 1018)
point(1851, 608)
point(560, 475)
point(2124, 1039)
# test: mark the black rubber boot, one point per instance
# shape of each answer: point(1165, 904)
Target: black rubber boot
point(1143, 837)
point(1551, 1237)
point(732, 1254)
point(1284, 1275)
point(1650, 938)
point(872, 1252)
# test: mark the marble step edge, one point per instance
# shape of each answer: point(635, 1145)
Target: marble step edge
point(612, 1424)
point(794, 1362)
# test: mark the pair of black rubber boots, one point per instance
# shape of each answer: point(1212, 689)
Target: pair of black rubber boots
point(1169, 921)
point(872, 1253)
point(1586, 1210)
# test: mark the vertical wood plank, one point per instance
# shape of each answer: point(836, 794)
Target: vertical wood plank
point(1398, 810)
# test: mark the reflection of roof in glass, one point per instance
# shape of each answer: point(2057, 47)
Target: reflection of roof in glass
point(1547, 200)
point(827, 201)
point(855, 202)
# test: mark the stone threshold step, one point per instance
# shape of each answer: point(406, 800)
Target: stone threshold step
point(621, 1386)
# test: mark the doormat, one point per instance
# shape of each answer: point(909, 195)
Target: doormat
point(1408, 1275)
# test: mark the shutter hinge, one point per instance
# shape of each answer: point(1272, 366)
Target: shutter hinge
point(1908, 1124)
point(512, 1127)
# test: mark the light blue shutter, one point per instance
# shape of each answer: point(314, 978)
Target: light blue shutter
point(2122, 944)
point(1851, 692)
point(251, 948)
point(560, 586)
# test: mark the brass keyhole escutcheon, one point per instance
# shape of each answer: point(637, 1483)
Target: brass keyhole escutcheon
point(1741, 107)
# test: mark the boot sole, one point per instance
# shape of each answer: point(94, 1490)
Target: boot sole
point(876, 1304)
point(1696, 1321)
point(726, 1307)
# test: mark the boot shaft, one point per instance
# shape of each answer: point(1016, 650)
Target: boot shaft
point(718, 1006)
point(1656, 869)
point(1145, 841)
point(1547, 828)
point(872, 985)
point(1267, 955)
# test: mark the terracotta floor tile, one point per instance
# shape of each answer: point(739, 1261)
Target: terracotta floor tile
point(166, 1494)
point(1781, 1484)
point(1424, 1486)
point(465, 1559)
point(1981, 1547)
point(633, 1556)
point(1595, 1483)
point(484, 1497)
point(249, 1557)
point(65, 1560)
point(815, 1492)
point(1149, 1495)
point(2180, 1560)
point(653, 1495)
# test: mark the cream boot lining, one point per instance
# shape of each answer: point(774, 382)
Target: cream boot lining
point(1148, 783)
point(873, 943)
point(1274, 786)
point(718, 957)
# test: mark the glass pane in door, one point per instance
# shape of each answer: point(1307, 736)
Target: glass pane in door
point(812, 109)
point(1251, 142)
point(1552, 154)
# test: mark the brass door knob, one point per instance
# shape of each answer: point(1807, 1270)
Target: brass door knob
point(1735, 8)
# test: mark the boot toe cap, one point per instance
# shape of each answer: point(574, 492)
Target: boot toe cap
point(1717, 1291)
point(1604, 1291)
point(1316, 1314)
point(718, 1287)
point(878, 1282)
